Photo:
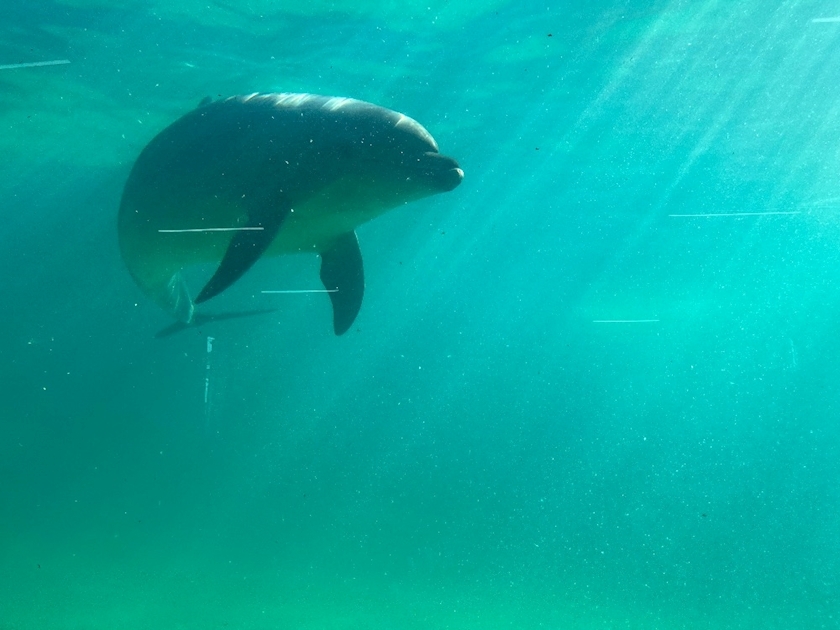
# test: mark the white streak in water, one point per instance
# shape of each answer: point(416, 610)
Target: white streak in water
point(305, 291)
point(793, 361)
point(34, 64)
point(624, 321)
point(735, 214)
point(222, 229)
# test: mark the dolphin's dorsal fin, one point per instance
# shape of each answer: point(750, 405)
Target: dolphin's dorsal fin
point(205, 101)
point(343, 275)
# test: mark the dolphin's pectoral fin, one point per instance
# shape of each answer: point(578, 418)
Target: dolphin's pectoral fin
point(343, 275)
point(244, 250)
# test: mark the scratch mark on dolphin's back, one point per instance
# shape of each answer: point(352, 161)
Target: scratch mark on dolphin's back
point(338, 102)
point(293, 100)
point(416, 128)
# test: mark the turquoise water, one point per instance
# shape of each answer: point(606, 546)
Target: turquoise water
point(564, 404)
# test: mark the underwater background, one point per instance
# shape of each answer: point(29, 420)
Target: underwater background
point(595, 386)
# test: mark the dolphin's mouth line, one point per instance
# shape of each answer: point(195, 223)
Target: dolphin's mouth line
point(426, 163)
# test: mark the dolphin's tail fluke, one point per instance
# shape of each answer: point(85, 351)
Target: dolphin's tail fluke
point(199, 319)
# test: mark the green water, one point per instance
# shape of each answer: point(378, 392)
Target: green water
point(488, 447)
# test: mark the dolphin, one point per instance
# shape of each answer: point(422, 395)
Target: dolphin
point(267, 175)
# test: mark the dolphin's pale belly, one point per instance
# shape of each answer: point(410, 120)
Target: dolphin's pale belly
point(310, 229)
point(195, 233)
point(314, 224)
